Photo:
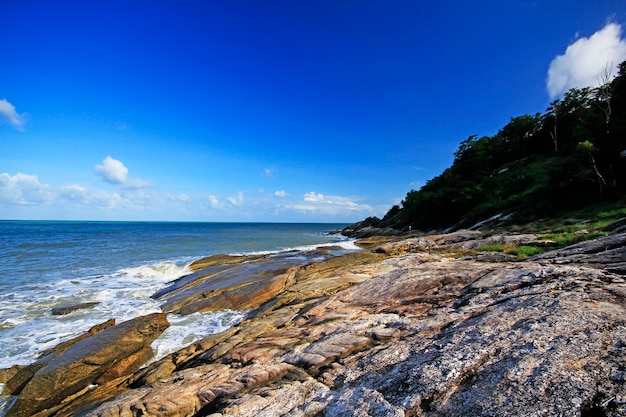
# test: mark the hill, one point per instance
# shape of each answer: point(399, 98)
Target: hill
point(571, 157)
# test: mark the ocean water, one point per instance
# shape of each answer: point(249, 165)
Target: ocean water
point(47, 264)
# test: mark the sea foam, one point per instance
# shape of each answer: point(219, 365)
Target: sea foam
point(28, 326)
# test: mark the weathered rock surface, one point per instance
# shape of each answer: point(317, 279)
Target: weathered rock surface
point(400, 330)
point(104, 355)
point(20, 378)
point(231, 286)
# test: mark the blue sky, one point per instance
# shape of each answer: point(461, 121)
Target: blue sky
point(322, 111)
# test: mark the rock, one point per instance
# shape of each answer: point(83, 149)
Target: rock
point(606, 252)
point(72, 370)
point(8, 373)
point(458, 236)
point(372, 221)
point(616, 227)
point(59, 311)
point(396, 331)
point(466, 240)
point(216, 260)
point(405, 246)
point(15, 384)
point(224, 287)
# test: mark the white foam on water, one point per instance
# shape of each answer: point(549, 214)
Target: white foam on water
point(28, 326)
point(161, 271)
point(185, 330)
point(5, 402)
point(346, 244)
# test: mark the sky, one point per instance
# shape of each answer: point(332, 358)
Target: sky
point(270, 111)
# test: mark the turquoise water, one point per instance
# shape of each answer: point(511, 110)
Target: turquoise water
point(119, 264)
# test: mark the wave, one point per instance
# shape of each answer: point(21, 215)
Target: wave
point(344, 245)
point(161, 271)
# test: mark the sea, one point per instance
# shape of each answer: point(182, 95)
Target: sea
point(119, 265)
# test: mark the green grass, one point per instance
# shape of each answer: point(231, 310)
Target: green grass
point(524, 251)
point(521, 252)
point(564, 227)
point(566, 238)
point(492, 247)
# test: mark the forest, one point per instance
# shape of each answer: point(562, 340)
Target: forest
point(571, 156)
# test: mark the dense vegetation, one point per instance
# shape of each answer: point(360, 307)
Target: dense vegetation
point(537, 166)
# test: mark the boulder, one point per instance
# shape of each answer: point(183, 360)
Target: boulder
point(84, 362)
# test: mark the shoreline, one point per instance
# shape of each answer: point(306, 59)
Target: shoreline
point(399, 327)
point(119, 267)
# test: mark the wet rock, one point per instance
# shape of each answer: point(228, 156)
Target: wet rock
point(74, 369)
point(222, 259)
point(59, 311)
point(229, 287)
point(20, 378)
point(8, 373)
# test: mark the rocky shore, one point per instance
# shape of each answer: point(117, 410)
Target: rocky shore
point(415, 326)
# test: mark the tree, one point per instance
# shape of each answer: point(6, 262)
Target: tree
point(604, 93)
point(588, 148)
point(552, 114)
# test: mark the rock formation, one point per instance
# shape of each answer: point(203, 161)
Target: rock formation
point(105, 355)
point(402, 328)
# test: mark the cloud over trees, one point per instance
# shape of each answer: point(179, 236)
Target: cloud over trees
point(584, 60)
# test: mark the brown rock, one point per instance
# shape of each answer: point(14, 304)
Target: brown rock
point(126, 366)
point(17, 381)
point(221, 259)
point(236, 287)
point(85, 361)
point(8, 373)
point(62, 347)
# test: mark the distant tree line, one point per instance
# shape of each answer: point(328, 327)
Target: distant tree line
point(572, 155)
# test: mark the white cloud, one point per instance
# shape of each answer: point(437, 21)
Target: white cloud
point(112, 171)
point(25, 196)
point(330, 205)
point(136, 183)
point(312, 196)
point(9, 115)
point(72, 193)
point(268, 172)
point(585, 59)
point(280, 193)
point(23, 189)
point(215, 203)
point(236, 200)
